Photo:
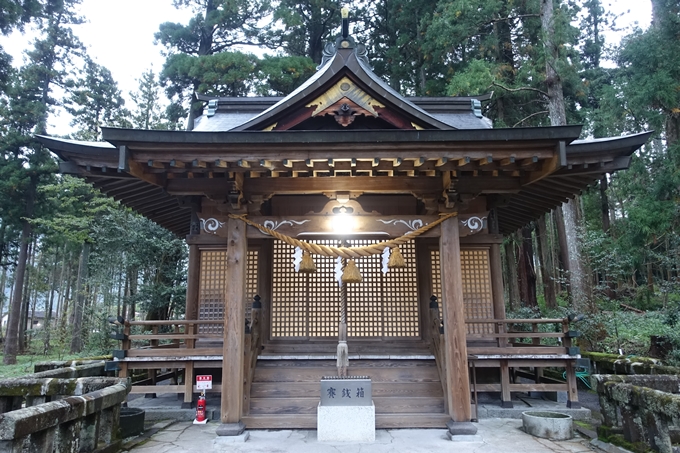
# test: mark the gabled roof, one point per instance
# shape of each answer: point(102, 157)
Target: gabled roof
point(343, 79)
point(344, 130)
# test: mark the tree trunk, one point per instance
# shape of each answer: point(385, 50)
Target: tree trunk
point(512, 282)
point(604, 204)
point(3, 283)
point(50, 305)
point(545, 255)
point(558, 117)
point(132, 307)
point(25, 306)
point(527, 274)
point(563, 248)
point(650, 277)
point(77, 325)
point(12, 338)
point(556, 111)
point(577, 279)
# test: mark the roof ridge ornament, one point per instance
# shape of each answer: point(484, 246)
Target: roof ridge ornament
point(344, 41)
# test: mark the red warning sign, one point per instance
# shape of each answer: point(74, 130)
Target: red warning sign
point(204, 382)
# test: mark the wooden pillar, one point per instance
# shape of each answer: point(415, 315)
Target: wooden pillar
point(458, 381)
point(191, 313)
point(234, 330)
point(193, 282)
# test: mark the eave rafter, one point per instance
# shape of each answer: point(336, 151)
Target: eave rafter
point(529, 172)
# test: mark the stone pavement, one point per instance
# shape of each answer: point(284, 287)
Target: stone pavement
point(493, 436)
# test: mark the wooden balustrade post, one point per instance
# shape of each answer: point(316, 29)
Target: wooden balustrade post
point(125, 345)
point(455, 331)
point(572, 384)
point(234, 330)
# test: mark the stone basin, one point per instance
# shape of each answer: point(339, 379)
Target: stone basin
point(548, 425)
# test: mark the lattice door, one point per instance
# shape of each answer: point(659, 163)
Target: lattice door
point(307, 305)
point(477, 292)
point(213, 285)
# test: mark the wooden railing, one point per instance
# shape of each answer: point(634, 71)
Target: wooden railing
point(175, 351)
point(510, 347)
point(184, 334)
point(172, 345)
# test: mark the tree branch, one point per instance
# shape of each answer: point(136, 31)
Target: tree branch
point(504, 19)
point(533, 114)
point(513, 90)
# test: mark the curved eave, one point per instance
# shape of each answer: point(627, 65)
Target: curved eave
point(234, 142)
point(587, 162)
point(97, 163)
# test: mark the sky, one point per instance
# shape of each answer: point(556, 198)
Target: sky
point(119, 36)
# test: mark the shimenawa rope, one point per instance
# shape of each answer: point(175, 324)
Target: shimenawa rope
point(346, 252)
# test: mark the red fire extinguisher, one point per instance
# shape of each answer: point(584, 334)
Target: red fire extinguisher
point(200, 411)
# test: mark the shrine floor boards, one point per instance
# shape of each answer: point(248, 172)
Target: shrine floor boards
point(494, 436)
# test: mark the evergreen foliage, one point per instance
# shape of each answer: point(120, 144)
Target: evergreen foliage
point(48, 222)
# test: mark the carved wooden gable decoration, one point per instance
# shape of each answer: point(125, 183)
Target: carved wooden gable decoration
point(344, 94)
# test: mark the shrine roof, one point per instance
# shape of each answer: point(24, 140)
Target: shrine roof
point(344, 78)
point(518, 165)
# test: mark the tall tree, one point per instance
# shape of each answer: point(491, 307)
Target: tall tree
point(302, 28)
point(25, 161)
point(147, 110)
point(15, 14)
point(551, 21)
point(396, 39)
point(95, 101)
point(279, 76)
point(217, 26)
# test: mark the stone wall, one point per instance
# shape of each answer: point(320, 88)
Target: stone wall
point(642, 409)
point(619, 364)
point(67, 409)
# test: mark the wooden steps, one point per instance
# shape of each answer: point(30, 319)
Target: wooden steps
point(406, 393)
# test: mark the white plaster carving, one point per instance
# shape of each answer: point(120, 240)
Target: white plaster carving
point(475, 224)
point(410, 224)
point(275, 225)
point(211, 225)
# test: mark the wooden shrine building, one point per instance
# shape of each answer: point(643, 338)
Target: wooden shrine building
point(345, 150)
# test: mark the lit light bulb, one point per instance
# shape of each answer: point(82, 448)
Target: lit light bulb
point(343, 223)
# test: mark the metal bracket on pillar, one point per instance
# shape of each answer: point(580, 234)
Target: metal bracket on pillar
point(235, 197)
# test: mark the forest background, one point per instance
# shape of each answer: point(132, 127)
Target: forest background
point(612, 253)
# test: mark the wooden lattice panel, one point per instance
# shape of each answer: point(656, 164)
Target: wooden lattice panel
point(251, 280)
point(477, 292)
point(400, 297)
point(364, 300)
point(212, 289)
point(307, 305)
point(437, 279)
point(324, 297)
point(289, 295)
